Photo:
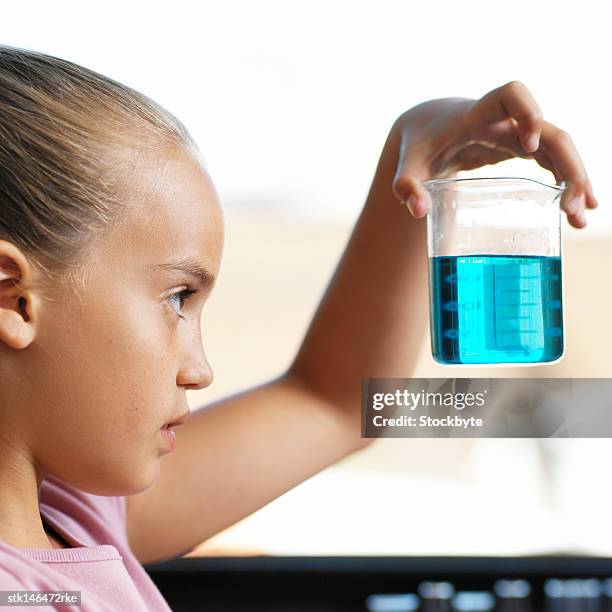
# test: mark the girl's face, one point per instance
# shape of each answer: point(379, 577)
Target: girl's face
point(110, 366)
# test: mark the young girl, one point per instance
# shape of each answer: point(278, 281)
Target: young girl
point(111, 234)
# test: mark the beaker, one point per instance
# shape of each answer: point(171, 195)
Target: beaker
point(495, 279)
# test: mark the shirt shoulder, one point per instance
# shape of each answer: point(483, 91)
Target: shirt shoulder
point(91, 519)
point(10, 574)
point(19, 572)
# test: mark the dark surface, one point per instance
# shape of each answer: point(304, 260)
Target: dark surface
point(341, 584)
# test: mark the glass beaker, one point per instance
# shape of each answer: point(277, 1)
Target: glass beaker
point(495, 282)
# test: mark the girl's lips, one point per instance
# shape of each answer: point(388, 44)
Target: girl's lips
point(169, 438)
point(178, 421)
point(168, 435)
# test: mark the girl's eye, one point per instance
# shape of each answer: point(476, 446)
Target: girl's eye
point(181, 297)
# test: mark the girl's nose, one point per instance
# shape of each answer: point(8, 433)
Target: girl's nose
point(196, 374)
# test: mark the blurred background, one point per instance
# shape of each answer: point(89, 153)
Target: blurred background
point(290, 103)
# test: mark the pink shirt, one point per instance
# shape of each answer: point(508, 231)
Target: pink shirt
point(101, 565)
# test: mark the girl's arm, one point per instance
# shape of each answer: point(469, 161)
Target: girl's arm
point(242, 452)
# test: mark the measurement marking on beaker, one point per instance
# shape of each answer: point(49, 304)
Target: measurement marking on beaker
point(519, 277)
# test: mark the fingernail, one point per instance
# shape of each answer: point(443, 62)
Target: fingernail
point(582, 217)
point(407, 202)
point(412, 202)
point(533, 142)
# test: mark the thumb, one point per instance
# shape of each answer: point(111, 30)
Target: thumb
point(408, 187)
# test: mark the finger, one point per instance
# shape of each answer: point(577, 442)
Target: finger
point(543, 160)
point(503, 143)
point(574, 208)
point(476, 156)
point(565, 165)
point(511, 100)
point(407, 186)
point(560, 149)
point(504, 137)
point(591, 201)
point(556, 153)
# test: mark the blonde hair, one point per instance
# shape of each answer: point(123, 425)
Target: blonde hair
point(62, 128)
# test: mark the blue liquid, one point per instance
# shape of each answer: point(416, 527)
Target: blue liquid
point(495, 309)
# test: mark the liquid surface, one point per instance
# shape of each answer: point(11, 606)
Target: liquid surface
point(496, 309)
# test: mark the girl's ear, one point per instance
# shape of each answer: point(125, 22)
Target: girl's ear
point(17, 318)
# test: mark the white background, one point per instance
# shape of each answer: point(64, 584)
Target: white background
point(290, 102)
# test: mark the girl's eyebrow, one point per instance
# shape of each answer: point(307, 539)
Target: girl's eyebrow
point(191, 266)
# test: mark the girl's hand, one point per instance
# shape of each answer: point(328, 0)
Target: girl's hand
point(440, 137)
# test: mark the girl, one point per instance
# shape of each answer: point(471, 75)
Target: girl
point(111, 234)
